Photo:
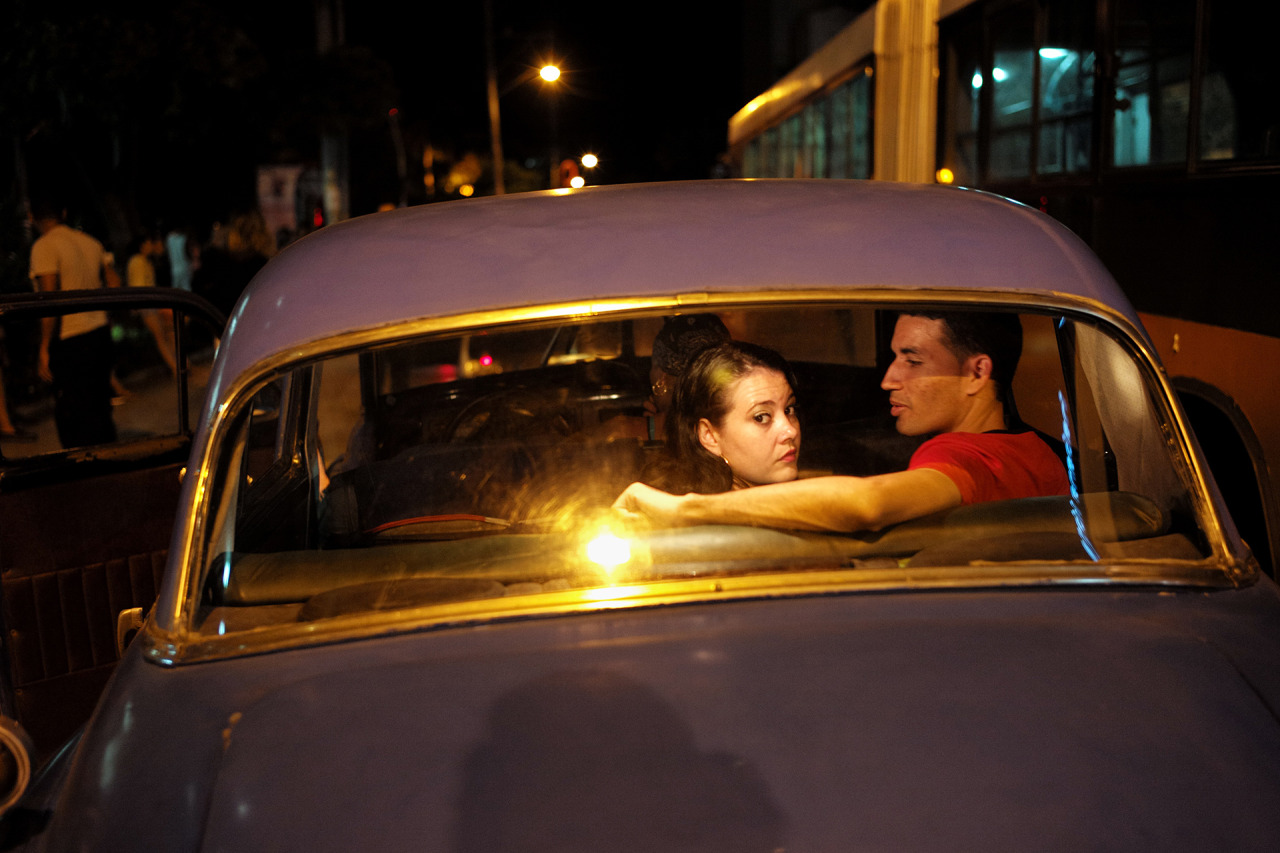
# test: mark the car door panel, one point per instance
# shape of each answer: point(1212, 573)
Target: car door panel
point(85, 535)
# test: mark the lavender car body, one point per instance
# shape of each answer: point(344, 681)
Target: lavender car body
point(383, 624)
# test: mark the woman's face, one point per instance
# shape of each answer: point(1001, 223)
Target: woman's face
point(760, 435)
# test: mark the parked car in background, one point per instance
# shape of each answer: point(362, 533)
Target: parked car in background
point(400, 611)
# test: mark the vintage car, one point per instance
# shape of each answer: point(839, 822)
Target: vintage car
point(400, 610)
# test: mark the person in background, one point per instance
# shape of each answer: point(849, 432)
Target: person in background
point(681, 338)
point(233, 256)
point(180, 260)
point(140, 271)
point(75, 350)
point(9, 431)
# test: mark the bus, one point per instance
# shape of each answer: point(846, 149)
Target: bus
point(1151, 128)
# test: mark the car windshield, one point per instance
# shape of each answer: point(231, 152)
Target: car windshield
point(474, 474)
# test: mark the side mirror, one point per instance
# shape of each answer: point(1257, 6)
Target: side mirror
point(15, 762)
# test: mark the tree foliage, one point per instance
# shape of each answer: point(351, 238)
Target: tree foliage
point(146, 111)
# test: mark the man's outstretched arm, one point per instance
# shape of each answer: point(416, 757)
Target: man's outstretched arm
point(839, 504)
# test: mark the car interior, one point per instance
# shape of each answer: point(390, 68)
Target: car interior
point(465, 467)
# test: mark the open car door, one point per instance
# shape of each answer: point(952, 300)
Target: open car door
point(89, 482)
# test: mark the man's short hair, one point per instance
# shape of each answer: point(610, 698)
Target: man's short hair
point(997, 335)
point(47, 205)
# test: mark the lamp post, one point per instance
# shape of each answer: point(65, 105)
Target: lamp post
point(495, 122)
point(549, 72)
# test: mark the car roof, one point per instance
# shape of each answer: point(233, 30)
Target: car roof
point(715, 237)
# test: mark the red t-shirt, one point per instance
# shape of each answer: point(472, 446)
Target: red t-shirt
point(992, 466)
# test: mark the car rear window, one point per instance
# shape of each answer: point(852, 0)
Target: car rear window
point(474, 474)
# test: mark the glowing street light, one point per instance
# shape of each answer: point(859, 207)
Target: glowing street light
point(550, 74)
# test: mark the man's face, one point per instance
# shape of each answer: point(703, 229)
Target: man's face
point(926, 381)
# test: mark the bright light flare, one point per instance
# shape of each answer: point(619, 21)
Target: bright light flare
point(945, 176)
point(577, 182)
point(549, 73)
point(608, 550)
point(590, 161)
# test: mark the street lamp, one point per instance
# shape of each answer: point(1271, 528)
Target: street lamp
point(549, 72)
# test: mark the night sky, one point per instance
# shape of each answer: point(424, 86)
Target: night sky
point(152, 135)
point(648, 87)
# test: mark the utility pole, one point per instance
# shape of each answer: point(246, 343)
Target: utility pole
point(335, 152)
point(495, 121)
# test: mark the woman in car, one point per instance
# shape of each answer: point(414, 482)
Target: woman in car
point(732, 423)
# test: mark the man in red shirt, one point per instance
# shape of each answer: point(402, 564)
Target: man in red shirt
point(950, 378)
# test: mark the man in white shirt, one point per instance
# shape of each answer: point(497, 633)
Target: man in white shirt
point(75, 350)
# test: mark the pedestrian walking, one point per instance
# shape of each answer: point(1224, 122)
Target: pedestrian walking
point(75, 350)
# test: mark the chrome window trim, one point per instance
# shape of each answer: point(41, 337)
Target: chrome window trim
point(1189, 577)
point(175, 643)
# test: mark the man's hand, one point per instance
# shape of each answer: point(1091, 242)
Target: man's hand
point(48, 327)
point(647, 502)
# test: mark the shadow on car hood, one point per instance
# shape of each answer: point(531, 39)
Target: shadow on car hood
point(943, 721)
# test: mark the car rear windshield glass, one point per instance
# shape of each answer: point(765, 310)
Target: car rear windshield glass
point(479, 471)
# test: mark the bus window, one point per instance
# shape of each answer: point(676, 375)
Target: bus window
point(1152, 87)
point(961, 99)
point(789, 147)
point(751, 158)
point(1066, 91)
point(816, 119)
point(769, 153)
point(1239, 112)
point(859, 95)
point(1012, 72)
